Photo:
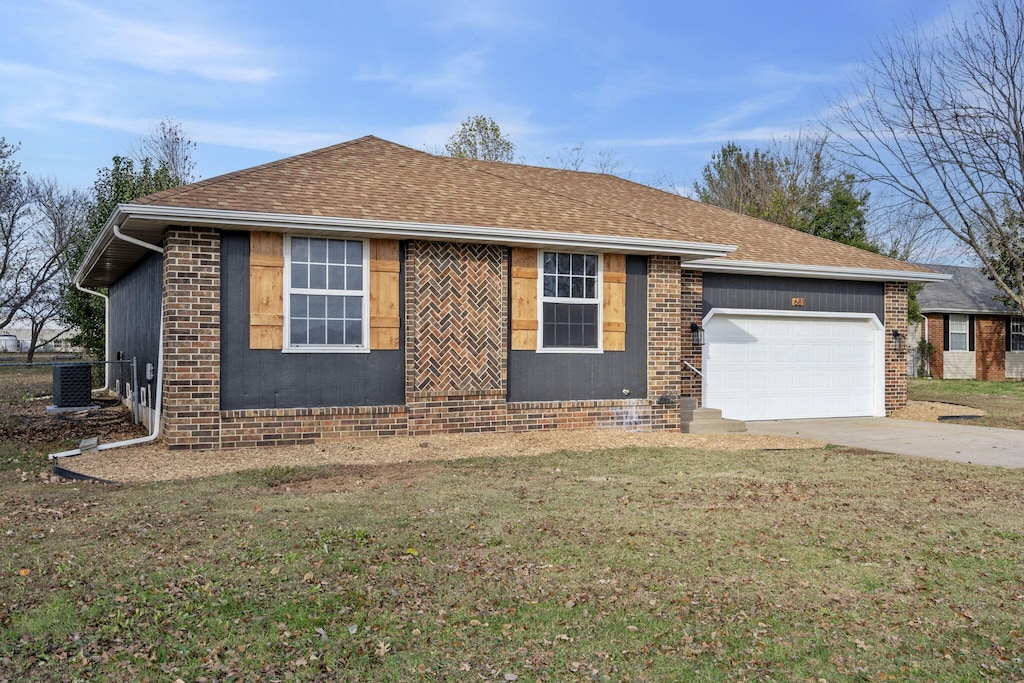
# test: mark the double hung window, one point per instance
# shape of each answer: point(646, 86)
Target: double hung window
point(959, 332)
point(1017, 333)
point(571, 301)
point(326, 300)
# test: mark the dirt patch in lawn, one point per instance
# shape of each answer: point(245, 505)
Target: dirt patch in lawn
point(156, 463)
point(931, 411)
point(29, 422)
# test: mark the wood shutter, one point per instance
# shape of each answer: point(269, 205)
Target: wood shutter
point(385, 267)
point(524, 299)
point(970, 332)
point(614, 307)
point(266, 290)
point(945, 331)
point(1009, 333)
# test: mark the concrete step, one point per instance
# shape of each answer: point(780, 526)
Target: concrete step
point(722, 426)
point(700, 415)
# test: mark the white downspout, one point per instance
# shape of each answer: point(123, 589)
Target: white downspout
point(156, 419)
point(106, 328)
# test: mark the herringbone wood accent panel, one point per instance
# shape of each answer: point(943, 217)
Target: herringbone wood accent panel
point(457, 337)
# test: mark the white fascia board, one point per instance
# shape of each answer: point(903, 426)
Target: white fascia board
point(810, 271)
point(428, 231)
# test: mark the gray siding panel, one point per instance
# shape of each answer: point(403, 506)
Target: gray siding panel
point(135, 318)
point(263, 378)
point(536, 376)
point(726, 290)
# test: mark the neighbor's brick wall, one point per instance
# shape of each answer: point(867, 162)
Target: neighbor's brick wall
point(692, 303)
point(191, 318)
point(936, 337)
point(664, 340)
point(990, 347)
point(895, 362)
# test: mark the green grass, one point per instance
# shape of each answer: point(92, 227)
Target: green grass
point(1002, 401)
point(633, 564)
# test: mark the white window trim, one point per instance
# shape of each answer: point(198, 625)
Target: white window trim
point(287, 346)
point(966, 333)
point(1020, 325)
point(541, 300)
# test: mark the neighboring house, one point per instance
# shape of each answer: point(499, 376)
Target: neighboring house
point(372, 288)
point(974, 336)
point(18, 337)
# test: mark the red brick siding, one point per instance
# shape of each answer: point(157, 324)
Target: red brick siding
point(191, 318)
point(895, 361)
point(692, 301)
point(990, 347)
point(295, 426)
point(664, 339)
point(936, 334)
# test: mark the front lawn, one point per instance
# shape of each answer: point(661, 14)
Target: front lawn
point(633, 564)
point(1002, 401)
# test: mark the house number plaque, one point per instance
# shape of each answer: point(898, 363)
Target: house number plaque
point(797, 302)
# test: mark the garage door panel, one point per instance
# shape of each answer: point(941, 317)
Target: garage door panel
point(764, 367)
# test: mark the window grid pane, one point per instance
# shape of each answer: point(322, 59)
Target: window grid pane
point(326, 299)
point(1017, 334)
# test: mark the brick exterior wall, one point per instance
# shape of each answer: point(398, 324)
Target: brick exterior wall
point(191, 319)
point(297, 426)
point(456, 336)
point(990, 347)
point(936, 331)
point(895, 361)
point(664, 340)
point(692, 301)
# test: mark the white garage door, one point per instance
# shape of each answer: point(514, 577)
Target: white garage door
point(776, 367)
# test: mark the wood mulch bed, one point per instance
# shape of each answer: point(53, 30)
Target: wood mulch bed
point(153, 462)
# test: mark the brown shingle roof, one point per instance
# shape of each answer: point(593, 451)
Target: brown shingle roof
point(374, 179)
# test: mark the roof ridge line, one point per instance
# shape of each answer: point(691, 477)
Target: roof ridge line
point(241, 173)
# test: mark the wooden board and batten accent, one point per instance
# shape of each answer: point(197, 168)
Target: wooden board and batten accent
point(524, 299)
point(385, 267)
point(614, 307)
point(525, 309)
point(266, 292)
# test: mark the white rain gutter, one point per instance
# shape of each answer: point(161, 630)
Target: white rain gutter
point(809, 271)
point(155, 427)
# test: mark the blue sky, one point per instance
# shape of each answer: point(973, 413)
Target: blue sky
point(660, 85)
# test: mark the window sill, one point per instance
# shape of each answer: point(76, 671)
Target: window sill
point(569, 350)
point(325, 349)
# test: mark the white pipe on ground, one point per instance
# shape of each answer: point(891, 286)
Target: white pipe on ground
point(155, 427)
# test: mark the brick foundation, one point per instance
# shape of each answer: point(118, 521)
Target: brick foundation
point(895, 361)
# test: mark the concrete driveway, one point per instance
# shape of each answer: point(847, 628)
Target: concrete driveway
point(963, 443)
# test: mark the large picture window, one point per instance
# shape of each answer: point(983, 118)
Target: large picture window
point(326, 298)
point(1017, 333)
point(571, 301)
point(959, 332)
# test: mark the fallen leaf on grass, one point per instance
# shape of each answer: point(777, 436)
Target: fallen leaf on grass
point(24, 572)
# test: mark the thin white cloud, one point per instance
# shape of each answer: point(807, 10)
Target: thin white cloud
point(175, 43)
point(460, 73)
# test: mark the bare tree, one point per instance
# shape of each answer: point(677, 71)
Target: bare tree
point(168, 145)
point(575, 159)
point(938, 118)
point(60, 218)
point(16, 276)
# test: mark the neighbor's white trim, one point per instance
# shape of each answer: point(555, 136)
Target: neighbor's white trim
point(809, 271)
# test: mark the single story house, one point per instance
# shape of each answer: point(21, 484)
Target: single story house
point(372, 288)
point(973, 334)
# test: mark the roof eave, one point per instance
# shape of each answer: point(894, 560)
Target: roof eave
point(146, 222)
point(815, 271)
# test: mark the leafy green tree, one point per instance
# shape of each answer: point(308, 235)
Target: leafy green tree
point(794, 186)
point(125, 180)
point(480, 137)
